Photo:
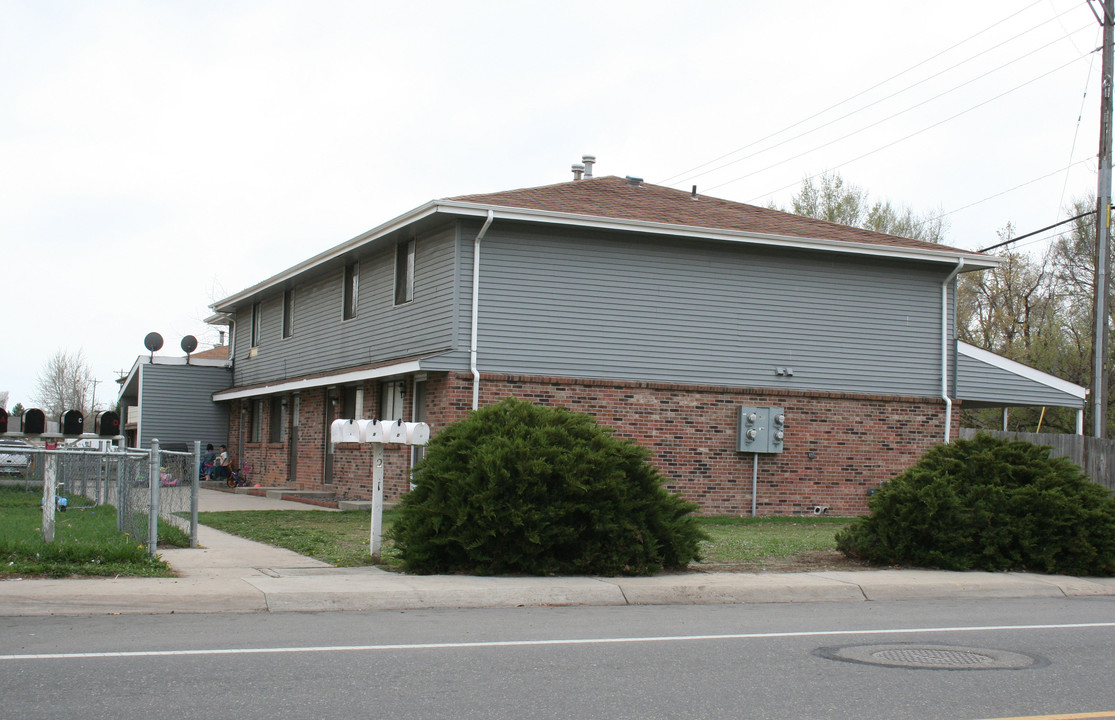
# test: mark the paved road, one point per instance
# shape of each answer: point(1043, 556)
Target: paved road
point(718, 661)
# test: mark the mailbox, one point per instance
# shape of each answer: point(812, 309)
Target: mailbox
point(34, 422)
point(72, 423)
point(3, 420)
point(417, 433)
point(371, 431)
point(394, 431)
point(107, 424)
point(344, 431)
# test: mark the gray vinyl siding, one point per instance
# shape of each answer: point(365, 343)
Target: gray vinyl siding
point(979, 382)
point(618, 306)
point(176, 405)
point(381, 331)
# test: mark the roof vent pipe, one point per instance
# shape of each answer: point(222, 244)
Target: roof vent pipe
point(693, 196)
point(588, 160)
point(578, 170)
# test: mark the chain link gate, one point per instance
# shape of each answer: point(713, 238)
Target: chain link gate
point(122, 478)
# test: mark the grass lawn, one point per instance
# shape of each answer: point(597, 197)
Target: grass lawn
point(736, 544)
point(86, 541)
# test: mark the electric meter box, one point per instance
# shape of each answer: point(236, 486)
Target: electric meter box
point(761, 429)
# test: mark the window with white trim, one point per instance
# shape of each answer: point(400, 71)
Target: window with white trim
point(404, 272)
point(352, 290)
point(257, 323)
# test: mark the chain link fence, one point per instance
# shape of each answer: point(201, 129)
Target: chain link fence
point(123, 479)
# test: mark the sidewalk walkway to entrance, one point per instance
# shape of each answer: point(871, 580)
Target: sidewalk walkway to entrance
point(231, 574)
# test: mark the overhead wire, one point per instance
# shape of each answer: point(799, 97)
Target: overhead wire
point(1079, 119)
point(865, 128)
point(862, 92)
point(1010, 190)
point(896, 93)
point(894, 142)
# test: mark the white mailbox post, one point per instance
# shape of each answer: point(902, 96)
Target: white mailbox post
point(378, 433)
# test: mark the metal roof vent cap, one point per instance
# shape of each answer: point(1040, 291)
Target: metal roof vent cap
point(578, 170)
point(634, 181)
point(588, 160)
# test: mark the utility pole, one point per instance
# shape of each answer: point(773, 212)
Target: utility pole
point(1103, 224)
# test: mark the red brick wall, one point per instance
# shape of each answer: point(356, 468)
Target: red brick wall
point(837, 446)
point(856, 441)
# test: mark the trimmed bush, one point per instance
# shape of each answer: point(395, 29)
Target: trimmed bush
point(989, 504)
point(522, 488)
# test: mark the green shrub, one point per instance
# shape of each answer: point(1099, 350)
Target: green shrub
point(989, 504)
point(522, 488)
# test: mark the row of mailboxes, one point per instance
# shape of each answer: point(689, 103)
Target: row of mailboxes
point(71, 423)
point(379, 431)
point(761, 429)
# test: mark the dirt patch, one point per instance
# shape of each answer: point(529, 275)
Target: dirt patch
point(815, 561)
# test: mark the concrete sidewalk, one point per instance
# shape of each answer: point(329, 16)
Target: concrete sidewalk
point(231, 574)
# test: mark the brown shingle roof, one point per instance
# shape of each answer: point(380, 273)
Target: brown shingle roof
point(220, 352)
point(615, 197)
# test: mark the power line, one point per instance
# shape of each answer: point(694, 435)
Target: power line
point(1026, 55)
point(1010, 190)
point(1079, 118)
point(1031, 234)
point(938, 96)
point(899, 140)
point(864, 92)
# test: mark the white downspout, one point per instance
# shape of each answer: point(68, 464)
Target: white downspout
point(945, 347)
point(476, 309)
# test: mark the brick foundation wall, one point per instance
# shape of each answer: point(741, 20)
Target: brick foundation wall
point(837, 446)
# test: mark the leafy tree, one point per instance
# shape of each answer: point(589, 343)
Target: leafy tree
point(523, 488)
point(834, 200)
point(63, 384)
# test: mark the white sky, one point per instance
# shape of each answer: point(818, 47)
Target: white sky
point(158, 156)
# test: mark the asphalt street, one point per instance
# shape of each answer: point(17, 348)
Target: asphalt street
point(706, 661)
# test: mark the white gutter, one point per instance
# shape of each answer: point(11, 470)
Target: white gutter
point(341, 378)
point(945, 346)
point(460, 208)
point(476, 309)
point(975, 260)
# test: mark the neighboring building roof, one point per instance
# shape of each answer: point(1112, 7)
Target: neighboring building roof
point(985, 379)
point(129, 384)
point(616, 197)
point(220, 352)
point(614, 204)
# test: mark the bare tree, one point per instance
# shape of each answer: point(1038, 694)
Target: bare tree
point(64, 384)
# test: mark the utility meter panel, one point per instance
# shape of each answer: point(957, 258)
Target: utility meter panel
point(761, 429)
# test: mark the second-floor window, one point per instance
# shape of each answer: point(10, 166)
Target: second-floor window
point(257, 323)
point(404, 272)
point(288, 313)
point(352, 289)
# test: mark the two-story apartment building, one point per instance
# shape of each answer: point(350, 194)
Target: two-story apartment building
point(660, 312)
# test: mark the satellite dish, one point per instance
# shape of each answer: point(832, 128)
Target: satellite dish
point(153, 341)
point(189, 344)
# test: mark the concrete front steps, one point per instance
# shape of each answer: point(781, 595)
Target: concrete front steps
point(324, 498)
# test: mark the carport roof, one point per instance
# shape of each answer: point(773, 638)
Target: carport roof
point(984, 379)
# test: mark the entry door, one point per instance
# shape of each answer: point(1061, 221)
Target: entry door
point(327, 419)
point(419, 415)
point(292, 438)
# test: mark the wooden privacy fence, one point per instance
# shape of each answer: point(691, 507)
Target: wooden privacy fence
point(1095, 455)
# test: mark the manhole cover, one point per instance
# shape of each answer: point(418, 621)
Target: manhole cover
point(925, 657)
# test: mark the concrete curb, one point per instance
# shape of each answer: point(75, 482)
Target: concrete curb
point(309, 589)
